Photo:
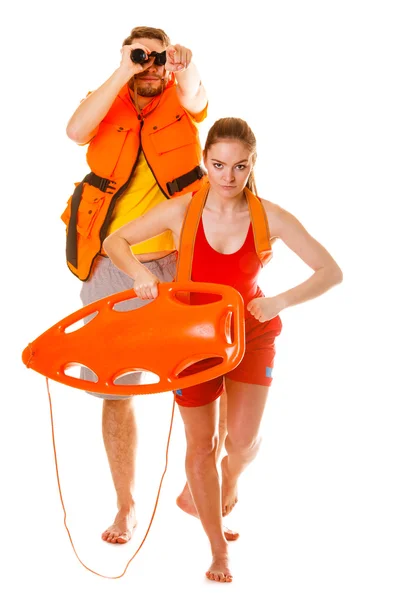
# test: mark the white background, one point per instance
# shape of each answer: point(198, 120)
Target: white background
point(319, 508)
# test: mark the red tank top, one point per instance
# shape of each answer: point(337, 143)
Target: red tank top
point(239, 269)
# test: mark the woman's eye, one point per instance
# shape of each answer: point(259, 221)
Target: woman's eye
point(240, 167)
point(217, 165)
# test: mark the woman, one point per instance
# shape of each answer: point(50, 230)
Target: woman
point(225, 252)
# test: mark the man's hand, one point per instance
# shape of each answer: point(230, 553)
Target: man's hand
point(178, 58)
point(127, 65)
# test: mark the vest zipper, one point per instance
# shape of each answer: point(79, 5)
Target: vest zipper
point(105, 226)
point(148, 164)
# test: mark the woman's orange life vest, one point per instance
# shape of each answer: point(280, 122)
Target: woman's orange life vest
point(169, 140)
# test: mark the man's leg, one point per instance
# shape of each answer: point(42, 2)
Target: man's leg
point(120, 439)
point(119, 425)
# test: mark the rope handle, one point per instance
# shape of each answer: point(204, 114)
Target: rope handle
point(62, 501)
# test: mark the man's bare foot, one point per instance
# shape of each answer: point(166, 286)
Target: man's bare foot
point(219, 570)
point(185, 503)
point(229, 489)
point(121, 530)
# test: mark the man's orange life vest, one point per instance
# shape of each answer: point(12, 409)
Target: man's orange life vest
point(169, 139)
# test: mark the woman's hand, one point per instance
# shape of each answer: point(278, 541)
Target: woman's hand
point(265, 309)
point(146, 285)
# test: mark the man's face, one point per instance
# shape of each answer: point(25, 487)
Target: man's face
point(149, 82)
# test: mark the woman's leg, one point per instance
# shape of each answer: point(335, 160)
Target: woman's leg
point(246, 403)
point(202, 476)
point(185, 500)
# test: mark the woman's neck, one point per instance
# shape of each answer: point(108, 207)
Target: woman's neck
point(220, 204)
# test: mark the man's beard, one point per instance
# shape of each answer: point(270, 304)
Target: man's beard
point(145, 89)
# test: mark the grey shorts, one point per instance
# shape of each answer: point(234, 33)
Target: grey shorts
point(106, 280)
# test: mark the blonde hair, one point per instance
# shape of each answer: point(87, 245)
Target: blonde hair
point(151, 33)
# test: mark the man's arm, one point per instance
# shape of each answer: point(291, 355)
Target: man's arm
point(84, 123)
point(191, 92)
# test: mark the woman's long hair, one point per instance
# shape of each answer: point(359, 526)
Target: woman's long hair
point(232, 128)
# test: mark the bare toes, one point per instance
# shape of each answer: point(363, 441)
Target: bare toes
point(219, 577)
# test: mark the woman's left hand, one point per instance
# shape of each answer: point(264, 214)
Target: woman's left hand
point(265, 309)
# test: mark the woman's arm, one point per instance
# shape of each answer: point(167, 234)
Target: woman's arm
point(327, 272)
point(166, 216)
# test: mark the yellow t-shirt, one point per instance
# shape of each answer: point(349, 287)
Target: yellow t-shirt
point(141, 195)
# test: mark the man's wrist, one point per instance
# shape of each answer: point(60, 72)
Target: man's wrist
point(121, 76)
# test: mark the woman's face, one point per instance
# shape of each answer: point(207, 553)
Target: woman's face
point(228, 164)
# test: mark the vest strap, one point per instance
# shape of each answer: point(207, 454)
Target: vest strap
point(101, 182)
point(179, 184)
point(191, 222)
point(72, 237)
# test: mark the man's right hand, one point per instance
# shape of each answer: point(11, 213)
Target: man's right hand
point(84, 123)
point(127, 66)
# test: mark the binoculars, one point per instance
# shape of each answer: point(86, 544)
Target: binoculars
point(138, 55)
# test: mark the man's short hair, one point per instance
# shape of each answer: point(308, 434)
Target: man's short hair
point(151, 33)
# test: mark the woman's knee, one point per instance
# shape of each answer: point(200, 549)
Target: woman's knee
point(201, 447)
point(240, 442)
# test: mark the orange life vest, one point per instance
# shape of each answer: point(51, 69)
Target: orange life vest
point(169, 140)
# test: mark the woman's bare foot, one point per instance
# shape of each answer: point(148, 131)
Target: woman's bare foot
point(229, 489)
point(219, 570)
point(121, 530)
point(185, 503)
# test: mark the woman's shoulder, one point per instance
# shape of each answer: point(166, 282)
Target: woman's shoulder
point(277, 216)
point(182, 202)
point(179, 204)
point(175, 210)
point(273, 210)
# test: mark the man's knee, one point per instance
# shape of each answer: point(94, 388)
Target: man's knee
point(122, 406)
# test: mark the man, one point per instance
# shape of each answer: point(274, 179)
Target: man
point(141, 127)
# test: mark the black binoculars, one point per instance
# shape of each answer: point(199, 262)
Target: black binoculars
point(138, 55)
